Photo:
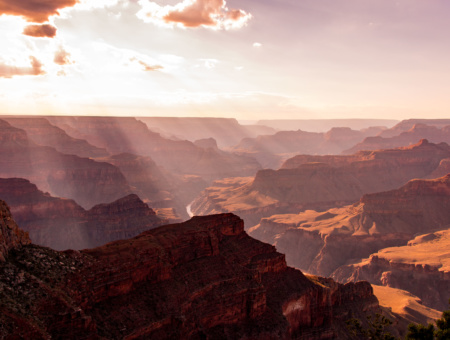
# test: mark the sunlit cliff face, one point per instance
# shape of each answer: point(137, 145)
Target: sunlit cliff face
point(251, 59)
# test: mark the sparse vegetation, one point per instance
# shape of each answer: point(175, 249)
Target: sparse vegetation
point(430, 332)
point(375, 329)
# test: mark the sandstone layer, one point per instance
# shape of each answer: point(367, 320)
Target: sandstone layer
point(421, 267)
point(202, 279)
point(404, 308)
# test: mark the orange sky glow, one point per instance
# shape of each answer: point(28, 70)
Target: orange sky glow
point(250, 59)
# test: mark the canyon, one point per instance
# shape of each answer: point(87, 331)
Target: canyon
point(320, 182)
point(380, 225)
point(204, 278)
point(81, 182)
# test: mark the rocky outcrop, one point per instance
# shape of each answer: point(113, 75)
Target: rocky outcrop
point(11, 237)
point(410, 137)
point(320, 182)
point(83, 179)
point(128, 135)
point(421, 267)
point(205, 278)
point(41, 132)
point(63, 224)
point(321, 242)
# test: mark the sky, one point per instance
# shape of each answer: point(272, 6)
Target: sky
point(248, 59)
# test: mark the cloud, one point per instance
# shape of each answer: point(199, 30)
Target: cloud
point(147, 66)
point(62, 57)
point(8, 71)
point(42, 31)
point(194, 13)
point(257, 44)
point(34, 10)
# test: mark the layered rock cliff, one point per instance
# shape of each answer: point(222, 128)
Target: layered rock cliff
point(416, 133)
point(320, 182)
point(83, 179)
point(421, 267)
point(321, 242)
point(205, 278)
point(11, 237)
point(63, 224)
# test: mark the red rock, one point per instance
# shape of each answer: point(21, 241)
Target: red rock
point(321, 242)
point(11, 237)
point(205, 278)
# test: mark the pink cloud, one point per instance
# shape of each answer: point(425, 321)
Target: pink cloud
point(34, 10)
point(42, 31)
point(194, 13)
point(35, 69)
point(62, 57)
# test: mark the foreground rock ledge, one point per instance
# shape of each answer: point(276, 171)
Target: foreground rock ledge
point(201, 279)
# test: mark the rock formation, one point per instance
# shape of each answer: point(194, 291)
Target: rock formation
point(404, 308)
point(83, 179)
point(40, 131)
point(226, 131)
point(128, 135)
point(406, 138)
point(408, 124)
point(270, 150)
point(205, 278)
point(11, 237)
point(421, 267)
point(321, 242)
point(320, 182)
point(63, 224)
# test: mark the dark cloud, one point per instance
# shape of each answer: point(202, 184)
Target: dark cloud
point(62, 57)
point(196, 13)
point(34, 10)
point(35, 69)
point(42, 31)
